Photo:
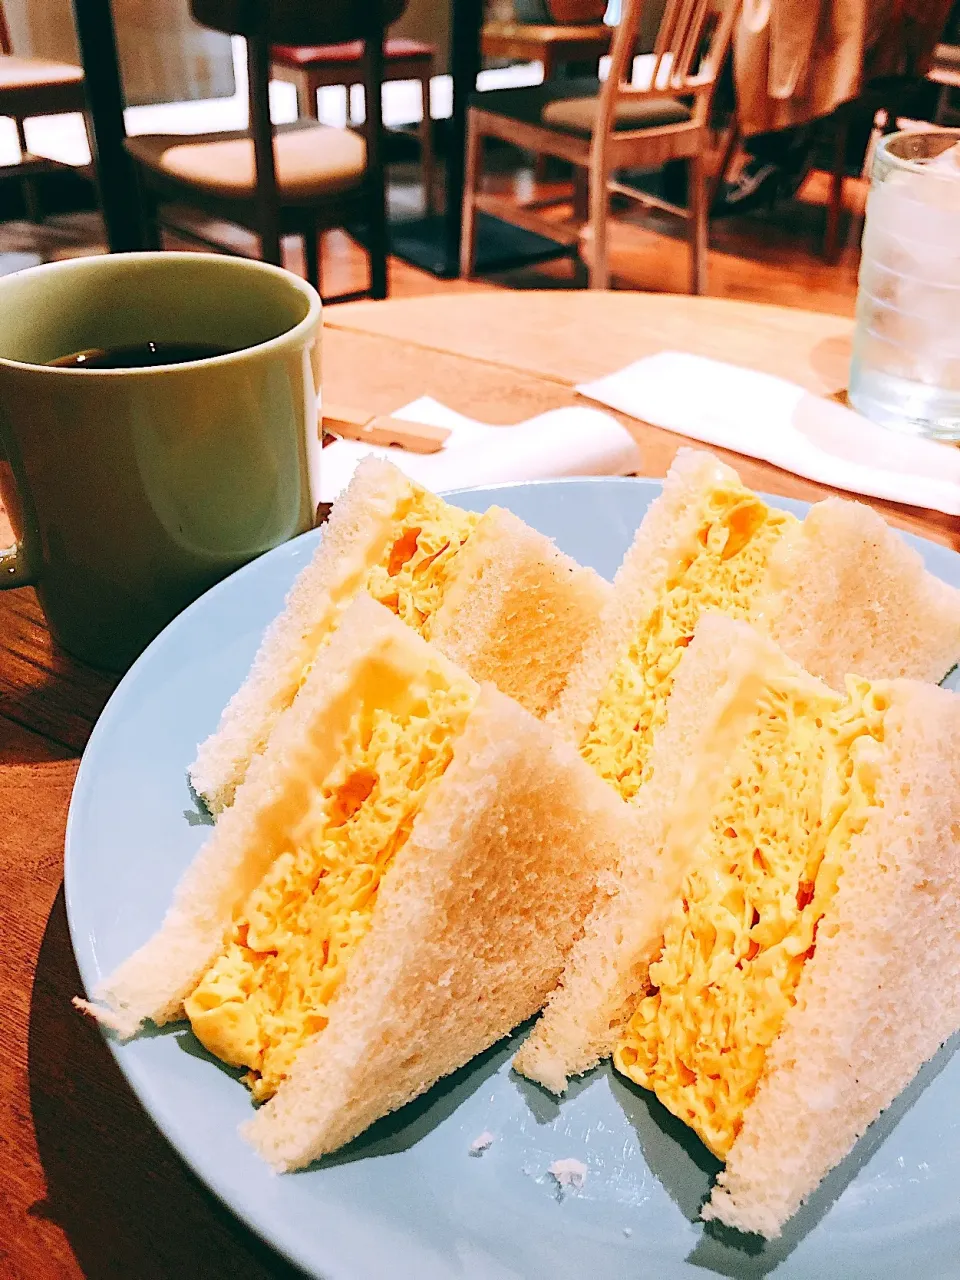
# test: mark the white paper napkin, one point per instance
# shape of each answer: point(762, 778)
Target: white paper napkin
point(563, 442)
point(769, 418)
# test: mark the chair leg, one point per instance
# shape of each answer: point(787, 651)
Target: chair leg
point(581, 195)
point(698, 212)
point(306, 101)
point(150, 205)
point(31, 197)
point(581, 215)
point(730, 143)
point(540, 161)
point(378, 260)
point(597, 231)
point(426, 146)
point(471, 177)
point(378, 244)
point(311, 258)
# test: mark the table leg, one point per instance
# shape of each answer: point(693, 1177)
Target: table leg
point(116, 181)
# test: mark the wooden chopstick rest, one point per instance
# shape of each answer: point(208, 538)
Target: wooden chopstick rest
point(380, 429)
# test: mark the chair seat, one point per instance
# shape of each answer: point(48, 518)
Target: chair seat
point(312, 161)
point(308, 56)
point(26, 73)
point(570, 106)
point(579, 115)
point(536, 33)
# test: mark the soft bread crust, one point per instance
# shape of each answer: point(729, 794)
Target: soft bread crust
point(154, 982)
point(606, 970)
point(879, 996)
point(468, 935)
point(851, 595)
point(518, 611)
point(670, 524)
point(290, 642)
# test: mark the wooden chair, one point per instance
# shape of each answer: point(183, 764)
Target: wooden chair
point(322, 66)
point(299, 179)
point(601, 129)
point(35, 87)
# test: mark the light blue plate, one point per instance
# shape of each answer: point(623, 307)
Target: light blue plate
point(407, 1200)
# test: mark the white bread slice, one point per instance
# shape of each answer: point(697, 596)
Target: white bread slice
point(518, 614)
point(472, 920)
point(518, 611)
point(606, 970)
point(353, 529)
point(881, 993)
point(844, 593)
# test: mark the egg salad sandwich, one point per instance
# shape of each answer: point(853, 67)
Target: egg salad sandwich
point(801, 961)
point(393, 889)
point(839, 591)
point(494, 595)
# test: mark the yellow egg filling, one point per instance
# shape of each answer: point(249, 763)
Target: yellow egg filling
point(293, 938)
point(412, 575)
point(797, 789)
point(722, 569)
point(414, 567)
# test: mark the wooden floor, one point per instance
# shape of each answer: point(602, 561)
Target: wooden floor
point(764, 257)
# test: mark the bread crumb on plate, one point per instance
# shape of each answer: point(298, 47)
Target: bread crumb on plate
point(569, 1173)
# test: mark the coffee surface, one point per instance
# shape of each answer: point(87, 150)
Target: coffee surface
point(143, 355)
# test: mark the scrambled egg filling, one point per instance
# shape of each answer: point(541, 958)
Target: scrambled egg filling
point(413, 572)
point(798, 788)
point(292, 940)
point(723, 569)
point(414, 568)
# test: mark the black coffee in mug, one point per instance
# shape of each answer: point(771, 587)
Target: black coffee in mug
point(143, 355)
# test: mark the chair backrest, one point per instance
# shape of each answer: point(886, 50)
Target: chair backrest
point(303, 22)
point(691, 44)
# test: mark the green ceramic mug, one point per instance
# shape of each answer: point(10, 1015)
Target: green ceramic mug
point(131, 491)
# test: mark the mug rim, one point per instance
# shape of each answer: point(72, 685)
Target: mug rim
point(231, 261)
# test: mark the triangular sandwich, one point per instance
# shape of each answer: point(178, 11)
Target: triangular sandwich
point(393, 889)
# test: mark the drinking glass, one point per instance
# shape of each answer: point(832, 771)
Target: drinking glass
point(905, 372)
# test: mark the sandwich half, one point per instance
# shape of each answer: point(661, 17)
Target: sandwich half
point(801, 962)
point(494, 595)
point(839, 591)
point(393, 889)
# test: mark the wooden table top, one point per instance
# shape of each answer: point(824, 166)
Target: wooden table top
point(87, 1185)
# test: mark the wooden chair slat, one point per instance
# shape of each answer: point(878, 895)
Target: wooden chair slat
point(692, 41)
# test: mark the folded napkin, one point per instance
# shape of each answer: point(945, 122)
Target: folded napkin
point(563, 442)
point(769, 418)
